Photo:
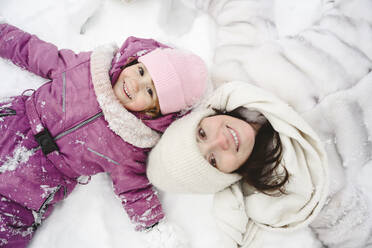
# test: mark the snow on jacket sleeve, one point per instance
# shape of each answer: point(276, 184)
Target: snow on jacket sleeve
point(138, 197)
point(31, 53)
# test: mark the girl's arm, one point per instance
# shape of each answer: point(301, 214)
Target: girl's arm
point(31, 53)
point(138, 197)
point(143, 207)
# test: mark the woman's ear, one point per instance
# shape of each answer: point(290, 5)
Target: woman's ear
point(251, 115)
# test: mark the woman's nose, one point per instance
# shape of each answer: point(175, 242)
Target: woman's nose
point(221, 141)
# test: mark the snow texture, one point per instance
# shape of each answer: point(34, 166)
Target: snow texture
point(165, 235)
point(20, 156)
point(342, 86)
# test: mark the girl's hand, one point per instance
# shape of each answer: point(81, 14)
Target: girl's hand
point(165, 235)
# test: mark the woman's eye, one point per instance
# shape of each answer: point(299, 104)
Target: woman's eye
point(201, 133)
point(151, 93)
point(212, 160)
point(141, 71)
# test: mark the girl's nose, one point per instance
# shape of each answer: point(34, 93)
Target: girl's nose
point(136, 85)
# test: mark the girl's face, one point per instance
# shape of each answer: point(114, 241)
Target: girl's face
point(135, 89)
point(225, 142)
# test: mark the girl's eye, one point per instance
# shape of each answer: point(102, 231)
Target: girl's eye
point(151, 93)
point(202, 133)
point(141, 71)
point(212, 160)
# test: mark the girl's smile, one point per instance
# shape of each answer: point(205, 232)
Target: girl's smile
point(135, 89)
point(226, 142)
point(126, 91)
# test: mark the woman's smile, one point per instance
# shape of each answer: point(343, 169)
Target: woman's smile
point(235, 137)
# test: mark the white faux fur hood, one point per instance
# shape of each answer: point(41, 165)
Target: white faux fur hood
point(123, 123)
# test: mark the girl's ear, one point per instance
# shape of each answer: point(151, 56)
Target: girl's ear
point(154, 112)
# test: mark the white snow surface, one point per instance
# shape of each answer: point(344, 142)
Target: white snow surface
point(20, 155)
point(92, 216)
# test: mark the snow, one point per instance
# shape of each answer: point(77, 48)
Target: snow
point(20, 156)
point(39, 127)
point(92, 215)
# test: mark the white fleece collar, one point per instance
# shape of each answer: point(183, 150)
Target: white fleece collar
point(121, 121)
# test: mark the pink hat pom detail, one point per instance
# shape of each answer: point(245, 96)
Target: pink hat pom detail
point(180, 77)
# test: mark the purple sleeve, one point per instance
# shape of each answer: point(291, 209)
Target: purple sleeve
point(138, 197)
point(31, 53)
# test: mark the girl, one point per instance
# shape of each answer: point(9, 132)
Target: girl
point(267, 168)
point(101, 111)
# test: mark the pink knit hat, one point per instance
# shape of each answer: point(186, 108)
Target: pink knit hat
point(180, 77)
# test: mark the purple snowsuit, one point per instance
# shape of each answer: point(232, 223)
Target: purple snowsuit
point(50, 139)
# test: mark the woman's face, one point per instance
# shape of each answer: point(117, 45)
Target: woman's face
point(225, 142)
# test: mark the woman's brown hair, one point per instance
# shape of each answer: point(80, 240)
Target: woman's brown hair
point(261, 170)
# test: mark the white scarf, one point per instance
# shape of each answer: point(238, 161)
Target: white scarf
point(242, 214)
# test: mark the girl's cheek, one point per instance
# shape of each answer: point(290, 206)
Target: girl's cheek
point(139, 106)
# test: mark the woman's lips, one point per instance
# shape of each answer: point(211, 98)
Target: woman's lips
point(235, 137)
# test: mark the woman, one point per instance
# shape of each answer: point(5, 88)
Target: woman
point(206, 152)
point(267, 168)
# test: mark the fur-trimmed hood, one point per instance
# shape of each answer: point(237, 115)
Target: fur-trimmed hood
point(121, 121)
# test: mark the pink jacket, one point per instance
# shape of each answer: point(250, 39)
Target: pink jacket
point(93, 133)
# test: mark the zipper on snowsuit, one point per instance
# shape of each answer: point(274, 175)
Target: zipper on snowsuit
point(47, 142)
point(38, 215)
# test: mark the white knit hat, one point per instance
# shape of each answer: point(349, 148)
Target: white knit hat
point(177, 165)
